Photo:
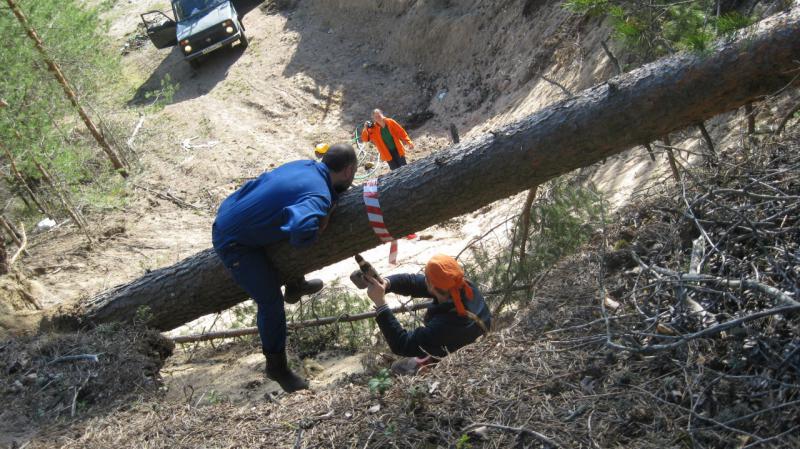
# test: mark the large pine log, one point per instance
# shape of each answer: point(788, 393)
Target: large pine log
point(629, 110)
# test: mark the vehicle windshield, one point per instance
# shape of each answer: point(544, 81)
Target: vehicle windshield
point(185, 9)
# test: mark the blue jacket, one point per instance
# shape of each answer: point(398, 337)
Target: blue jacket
point(285, 203)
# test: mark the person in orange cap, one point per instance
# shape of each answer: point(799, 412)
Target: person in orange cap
point(457, 316)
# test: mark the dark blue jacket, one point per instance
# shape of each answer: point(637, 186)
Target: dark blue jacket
point(444, 331)
point(285, 203)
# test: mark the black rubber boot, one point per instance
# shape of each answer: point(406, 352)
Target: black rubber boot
point(278, 370)
point(298, 289)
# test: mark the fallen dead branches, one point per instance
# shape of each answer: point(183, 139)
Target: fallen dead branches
point(773, 292)
point(707, 332)
point(520, 430)
point(76, 358)
point(168, 196)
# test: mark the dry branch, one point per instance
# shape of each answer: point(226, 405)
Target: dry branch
point(135, 131)
point(14, 233)
point(22, 245)
point(168, 196)
point(544, 439)
point(296, 325)
point(76, 358)
point(786, 119)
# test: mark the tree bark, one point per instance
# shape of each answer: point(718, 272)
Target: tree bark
point(630, 110)
point(62, 80)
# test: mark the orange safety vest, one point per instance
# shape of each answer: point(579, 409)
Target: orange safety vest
point(373, 134)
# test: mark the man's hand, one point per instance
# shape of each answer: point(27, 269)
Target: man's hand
point(376, 290)
point(410, 145)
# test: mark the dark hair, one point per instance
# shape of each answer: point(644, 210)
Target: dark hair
point(339, 157)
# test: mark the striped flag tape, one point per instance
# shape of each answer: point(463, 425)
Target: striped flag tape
point(375, 217)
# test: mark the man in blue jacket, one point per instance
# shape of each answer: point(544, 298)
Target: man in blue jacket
point(291, 202)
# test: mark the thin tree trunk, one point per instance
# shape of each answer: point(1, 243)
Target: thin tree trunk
point(59, 75)
point(526, 223)
point(650, 152)
point(21, 248)
point(751, 119)
point(24, 183)
point(786, 119)
point(15, 235)
point(673, 163)
point(618, 69)
point(71, 209)
point(454, 133)
point(709, 143)
point(294, 325)
point(613, 58)
point(3, 257)
point(643, 105)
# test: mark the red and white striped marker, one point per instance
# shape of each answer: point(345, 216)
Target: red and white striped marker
point(375, 217)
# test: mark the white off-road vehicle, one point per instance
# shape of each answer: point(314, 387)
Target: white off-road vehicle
point(199, 27)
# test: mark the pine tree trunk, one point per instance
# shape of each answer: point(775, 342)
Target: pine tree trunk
point(62, 80)
point(633, 109)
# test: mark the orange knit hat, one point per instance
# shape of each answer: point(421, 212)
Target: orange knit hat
point(444, 273)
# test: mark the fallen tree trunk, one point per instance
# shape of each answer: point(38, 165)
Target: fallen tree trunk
point(628, 110)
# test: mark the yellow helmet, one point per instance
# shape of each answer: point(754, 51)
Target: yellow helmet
point(321, 148)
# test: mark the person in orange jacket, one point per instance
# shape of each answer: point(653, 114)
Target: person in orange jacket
point(389, 137)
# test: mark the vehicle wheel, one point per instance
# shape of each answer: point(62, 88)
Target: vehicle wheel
point(194, 63)
point(242, 38)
